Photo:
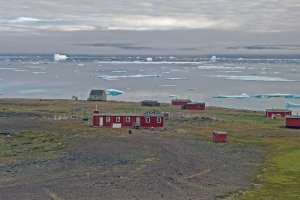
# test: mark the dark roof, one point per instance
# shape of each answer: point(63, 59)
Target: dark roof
point(98, 92)
point(278, 110)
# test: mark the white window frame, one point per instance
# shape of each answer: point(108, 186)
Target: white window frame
point(118, 119)
point(148, 120)
point(107, 119)
point(158, 120)
point(127, 119)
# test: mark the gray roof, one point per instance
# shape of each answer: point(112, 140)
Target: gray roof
point(98, 92)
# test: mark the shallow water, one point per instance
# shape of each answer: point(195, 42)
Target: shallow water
point(196, 77)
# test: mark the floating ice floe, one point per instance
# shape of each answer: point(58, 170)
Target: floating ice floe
point(287, 96)
point(171, 96)
point(59, 57)
point(192, 88)
point(108, 77)
point(176, 78)
point(32, 91)
point(254, 78)
point(21, 70)
point(211, 67)
point(291, 105)
point(119, 71)
point(39, 72)
point(167, 85)
point(113, 92)
point(242, 96)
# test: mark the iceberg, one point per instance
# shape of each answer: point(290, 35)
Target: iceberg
point(59, 57)
point(113, 92)
point(291, 105)
point(149, 59)
point(213, 58)
point(242, 96)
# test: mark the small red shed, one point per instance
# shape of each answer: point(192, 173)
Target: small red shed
point(278, 112)
point(145, 120)
point(193, 106)
point(292, 121)
point(180, 102)
point(220, 136)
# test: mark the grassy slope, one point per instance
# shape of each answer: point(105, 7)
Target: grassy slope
point(278, 178)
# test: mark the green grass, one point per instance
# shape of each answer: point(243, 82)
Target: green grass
point(28, 146)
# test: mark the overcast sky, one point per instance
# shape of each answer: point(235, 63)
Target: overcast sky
point(150, 27)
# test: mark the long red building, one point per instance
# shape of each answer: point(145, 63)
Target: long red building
point(145, 120)
point(292, 121)
point(193, 106)
point(278, 112)
point(180, 102)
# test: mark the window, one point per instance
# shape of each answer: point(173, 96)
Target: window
point(107, 119)
point(158, 119)
point(118, 119)
point(147, 119)
point(127, 119)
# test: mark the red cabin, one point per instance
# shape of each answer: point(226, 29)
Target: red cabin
point(220, 136)
point(278, 112)
point(180, 102)
point(292, 121)
point(146, 120)
point(193, 106)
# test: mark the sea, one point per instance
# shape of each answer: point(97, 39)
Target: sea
point(252, 82)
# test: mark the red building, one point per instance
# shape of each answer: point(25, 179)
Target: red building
point(292, 121)
point(220, 136)
point(146, 120)
point(278, 112)
point(193, 106)
point(180, 102)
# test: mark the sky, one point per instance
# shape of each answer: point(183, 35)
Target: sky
point(150, 27)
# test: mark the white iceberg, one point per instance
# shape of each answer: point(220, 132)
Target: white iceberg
point(149, 59)
point(60, 57)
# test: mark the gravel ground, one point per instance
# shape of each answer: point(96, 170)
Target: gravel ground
point(144, 165)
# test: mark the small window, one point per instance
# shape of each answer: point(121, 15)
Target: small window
point(118, 119)
point(127, 119)
point(147, 119)
point(158, 119)
point(107, 119)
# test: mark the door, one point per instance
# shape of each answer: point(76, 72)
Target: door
point(100, 121)
point(138, 121)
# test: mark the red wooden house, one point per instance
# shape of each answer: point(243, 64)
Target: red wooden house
point(180, 102)
point(292, 121)
point(193, 106)
point(145, 120)
point(220, 136)
point(278, 112)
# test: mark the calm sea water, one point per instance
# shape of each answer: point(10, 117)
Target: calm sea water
point(249, 82)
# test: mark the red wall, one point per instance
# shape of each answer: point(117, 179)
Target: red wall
point(220, 137)
point(195, 107)
point(180, 103)
point(292, 122)
point(153, 122)
point(282, 113)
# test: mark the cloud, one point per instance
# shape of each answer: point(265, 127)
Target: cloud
point(261, 16)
